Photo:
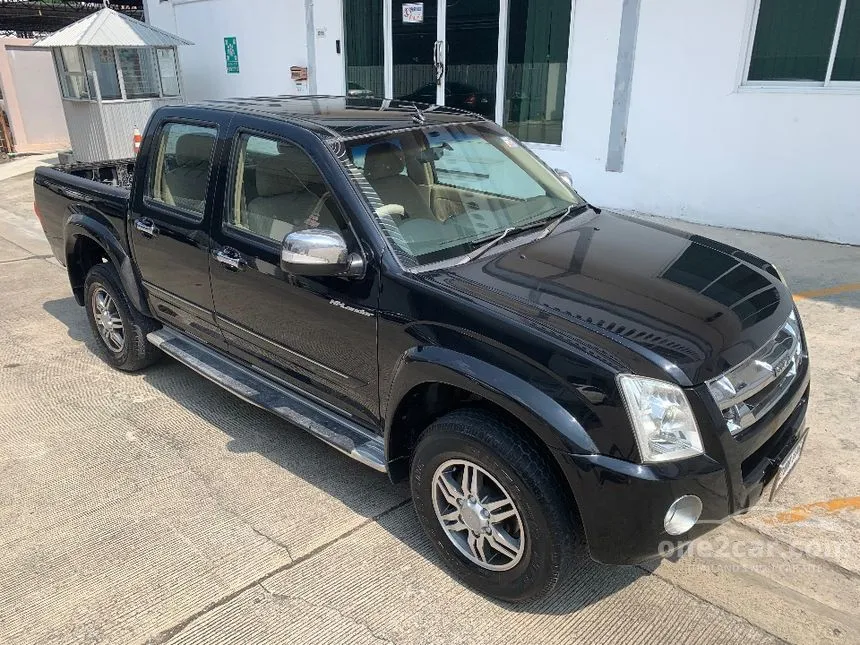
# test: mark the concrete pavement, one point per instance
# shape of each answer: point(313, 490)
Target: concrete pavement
point(157, 508)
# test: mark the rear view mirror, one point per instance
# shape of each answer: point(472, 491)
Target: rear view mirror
point(319, 252)
point(564, 176)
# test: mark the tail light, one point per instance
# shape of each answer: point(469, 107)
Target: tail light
point(38, 214)
point(471, 99)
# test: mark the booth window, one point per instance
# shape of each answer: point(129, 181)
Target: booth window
point(139, 72)
point(101, 60)
point(167, 72)
point(536, 70)
point(806, 42)
point(73, 73)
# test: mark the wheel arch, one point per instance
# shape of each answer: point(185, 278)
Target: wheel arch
point(431, 381)
point(88, 242)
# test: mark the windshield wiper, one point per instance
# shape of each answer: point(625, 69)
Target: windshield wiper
point(570, 211)
point(486, 247)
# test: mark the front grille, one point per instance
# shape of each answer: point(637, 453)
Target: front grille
point(749, 390)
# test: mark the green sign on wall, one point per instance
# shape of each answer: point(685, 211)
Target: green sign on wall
point(231, 53)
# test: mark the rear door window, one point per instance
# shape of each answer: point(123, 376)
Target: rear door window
point(179, 176)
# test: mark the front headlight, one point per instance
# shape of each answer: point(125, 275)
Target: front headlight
point(663, 422)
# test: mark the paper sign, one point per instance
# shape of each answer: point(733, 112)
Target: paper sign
point(413, 12)
point(231, 53)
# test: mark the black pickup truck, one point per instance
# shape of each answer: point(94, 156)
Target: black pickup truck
point(414, 287)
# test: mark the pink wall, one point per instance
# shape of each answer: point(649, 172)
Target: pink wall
point(32, 97)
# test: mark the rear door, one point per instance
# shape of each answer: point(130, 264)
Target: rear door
point(176, 193)
point(315, 333)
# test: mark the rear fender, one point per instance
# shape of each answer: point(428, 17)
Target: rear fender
point(94, 227)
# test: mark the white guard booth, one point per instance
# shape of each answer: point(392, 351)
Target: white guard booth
point(113, 72)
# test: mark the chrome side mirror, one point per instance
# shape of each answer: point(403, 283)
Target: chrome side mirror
point(564, 176)
point(319, 252)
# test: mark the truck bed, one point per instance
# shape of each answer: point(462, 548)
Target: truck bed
point(110, 173)
point(100, 191)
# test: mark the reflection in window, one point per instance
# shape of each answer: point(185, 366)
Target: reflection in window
point(538, 32)
point(364, 48)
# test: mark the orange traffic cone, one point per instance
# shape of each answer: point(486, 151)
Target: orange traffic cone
point(136, 139)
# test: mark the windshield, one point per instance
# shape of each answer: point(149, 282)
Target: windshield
point(442, 191)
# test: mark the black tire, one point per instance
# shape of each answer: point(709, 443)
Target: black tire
point(511, 457)
point(135, 352)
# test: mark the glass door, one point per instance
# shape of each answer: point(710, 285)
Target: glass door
point(446, 52)
point(504, 59)
point(415, 51)
point(471, 55)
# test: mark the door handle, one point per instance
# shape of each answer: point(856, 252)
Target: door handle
point(146, 226)
point(230, 258)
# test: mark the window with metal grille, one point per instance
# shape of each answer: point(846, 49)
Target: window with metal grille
point(805, 42)
point(139, 72)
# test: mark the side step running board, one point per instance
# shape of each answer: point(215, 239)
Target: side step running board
point(324, 424)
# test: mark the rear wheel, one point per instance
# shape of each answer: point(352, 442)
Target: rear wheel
point(487, 498)
point(120, 329)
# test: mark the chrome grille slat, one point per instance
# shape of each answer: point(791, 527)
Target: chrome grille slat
point(751, 389)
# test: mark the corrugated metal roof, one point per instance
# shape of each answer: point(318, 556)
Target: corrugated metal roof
point(107, 28)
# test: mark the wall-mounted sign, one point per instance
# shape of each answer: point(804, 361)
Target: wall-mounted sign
point(413, 12)
point(298, 73)
point(231, 53)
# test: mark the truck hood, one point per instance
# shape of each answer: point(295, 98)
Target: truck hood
point(693, 306)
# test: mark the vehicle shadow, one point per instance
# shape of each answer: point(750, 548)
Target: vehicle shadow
point(362, 490)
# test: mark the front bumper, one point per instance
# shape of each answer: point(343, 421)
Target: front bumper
point(622, 504)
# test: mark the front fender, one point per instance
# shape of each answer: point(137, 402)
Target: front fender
point(81, 224)
point(550, 422)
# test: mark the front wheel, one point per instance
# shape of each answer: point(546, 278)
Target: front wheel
point(487, 498)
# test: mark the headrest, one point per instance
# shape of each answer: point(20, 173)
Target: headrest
point(289, 172)
point(383, 160)
point(194, 148)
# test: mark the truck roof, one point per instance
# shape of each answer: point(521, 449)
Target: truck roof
point(342, 116)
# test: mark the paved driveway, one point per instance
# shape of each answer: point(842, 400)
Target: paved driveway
point(157, 508)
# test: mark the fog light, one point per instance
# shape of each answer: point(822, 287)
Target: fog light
point(682, 515)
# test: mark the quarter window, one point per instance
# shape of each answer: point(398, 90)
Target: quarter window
point(183, 158)
point(278, 190)
point(807, 42)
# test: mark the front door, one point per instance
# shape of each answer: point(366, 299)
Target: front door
point(315, 333)
point(446, 53)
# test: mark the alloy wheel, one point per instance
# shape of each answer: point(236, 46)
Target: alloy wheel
point(108, 320)
point(478, 515)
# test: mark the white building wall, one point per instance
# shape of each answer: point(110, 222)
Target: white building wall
point(271, 37)
point(699, 147)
